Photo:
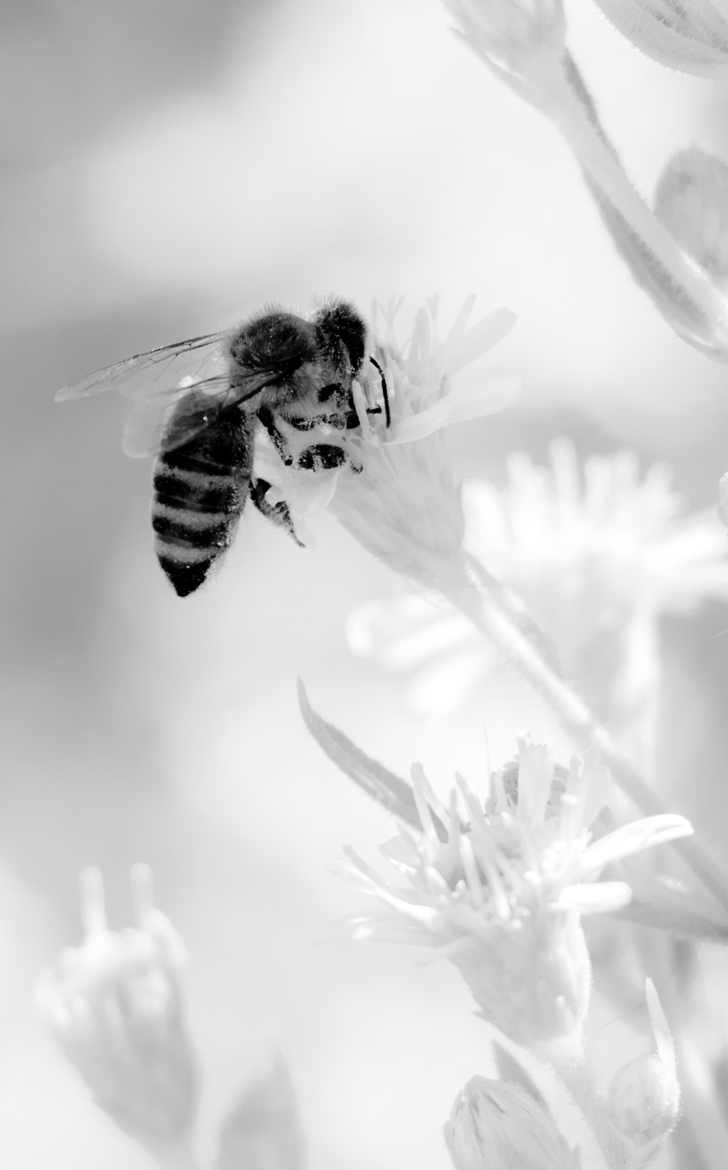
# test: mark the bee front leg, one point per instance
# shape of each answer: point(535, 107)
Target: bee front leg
point(267, 419)
point(279, 513)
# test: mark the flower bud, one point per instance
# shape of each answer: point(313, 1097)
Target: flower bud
point(644, 1097)
point(692, 201)
point(498, 1125)
point(691, 36)
point(115, 1006)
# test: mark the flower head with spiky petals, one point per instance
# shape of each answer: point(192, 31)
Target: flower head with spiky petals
point(596, 551)
point(500, 888)
point(397, 493)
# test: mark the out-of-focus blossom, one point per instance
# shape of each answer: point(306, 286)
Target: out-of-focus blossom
point(522, 41)
point(115, 1006)
point(596, 551)
point(690, 35)
point(399, 496)
point(497, 1125)
point(500, 888)
point(692, 201)
point(262, 1131)
point(644, 1097)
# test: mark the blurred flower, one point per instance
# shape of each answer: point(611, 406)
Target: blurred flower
point(501, 888)
point(262, 1131)
point(497, 1125)
point(692, 201)
point(690, 35)
point(522, 41)
point(597, 552)
point(644, 1097)
point(115, 1006)
point(399, 496)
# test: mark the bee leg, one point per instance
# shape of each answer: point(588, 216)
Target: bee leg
point(267, 418)
point(279, 513)
point(323, 457)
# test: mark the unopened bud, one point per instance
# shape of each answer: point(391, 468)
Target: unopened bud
point(115, 1006)
point(498, 1125)
point(691, 35)
point(644, 1097)
point(692, 201)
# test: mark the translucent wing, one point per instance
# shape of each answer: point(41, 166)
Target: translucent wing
point(158, 372)
point(148, 429)
point(196, 371)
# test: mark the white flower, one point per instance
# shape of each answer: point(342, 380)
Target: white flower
point(398, 495)
point(522, 41)
point(644, 1097)
point(597, 552)
point(115, 1006)
point(500, 888)
point(497, 1125)
point(692, 201)
point(690, 35)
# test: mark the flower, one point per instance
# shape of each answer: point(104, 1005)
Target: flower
point(596, 551)
point(397, 494)
point(692, 201)
point(644, 1097)
point(500, 888)
point(690, 35)
point(115, 1006)
point(522, 41)
point(497, 1125)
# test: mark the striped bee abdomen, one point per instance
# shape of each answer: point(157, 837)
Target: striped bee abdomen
point(200, 489)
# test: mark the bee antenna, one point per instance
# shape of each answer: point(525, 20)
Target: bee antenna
point(385, 392)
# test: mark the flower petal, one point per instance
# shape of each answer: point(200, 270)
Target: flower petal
point(631, 839)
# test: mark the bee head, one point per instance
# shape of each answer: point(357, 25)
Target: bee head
point(340, 324)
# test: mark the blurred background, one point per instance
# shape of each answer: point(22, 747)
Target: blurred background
point(169, 167)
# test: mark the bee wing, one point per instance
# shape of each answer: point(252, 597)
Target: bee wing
point(196, 371)
point(157, 372)
point(169, 418)
point(148, 428)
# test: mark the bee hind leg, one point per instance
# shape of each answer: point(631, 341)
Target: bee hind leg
point(279, 513)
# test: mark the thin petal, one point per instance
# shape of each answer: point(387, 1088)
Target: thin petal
point(633, 838)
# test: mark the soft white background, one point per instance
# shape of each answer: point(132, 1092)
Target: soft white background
point(167, 168)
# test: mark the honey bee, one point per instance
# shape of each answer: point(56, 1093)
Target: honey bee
point(198, 405)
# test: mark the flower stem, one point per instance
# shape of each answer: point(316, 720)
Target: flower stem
point(682, 290)
point(178, 1157)
point(483, 605)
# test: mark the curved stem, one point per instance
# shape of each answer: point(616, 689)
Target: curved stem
point(485, 608)
point(682, 290)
